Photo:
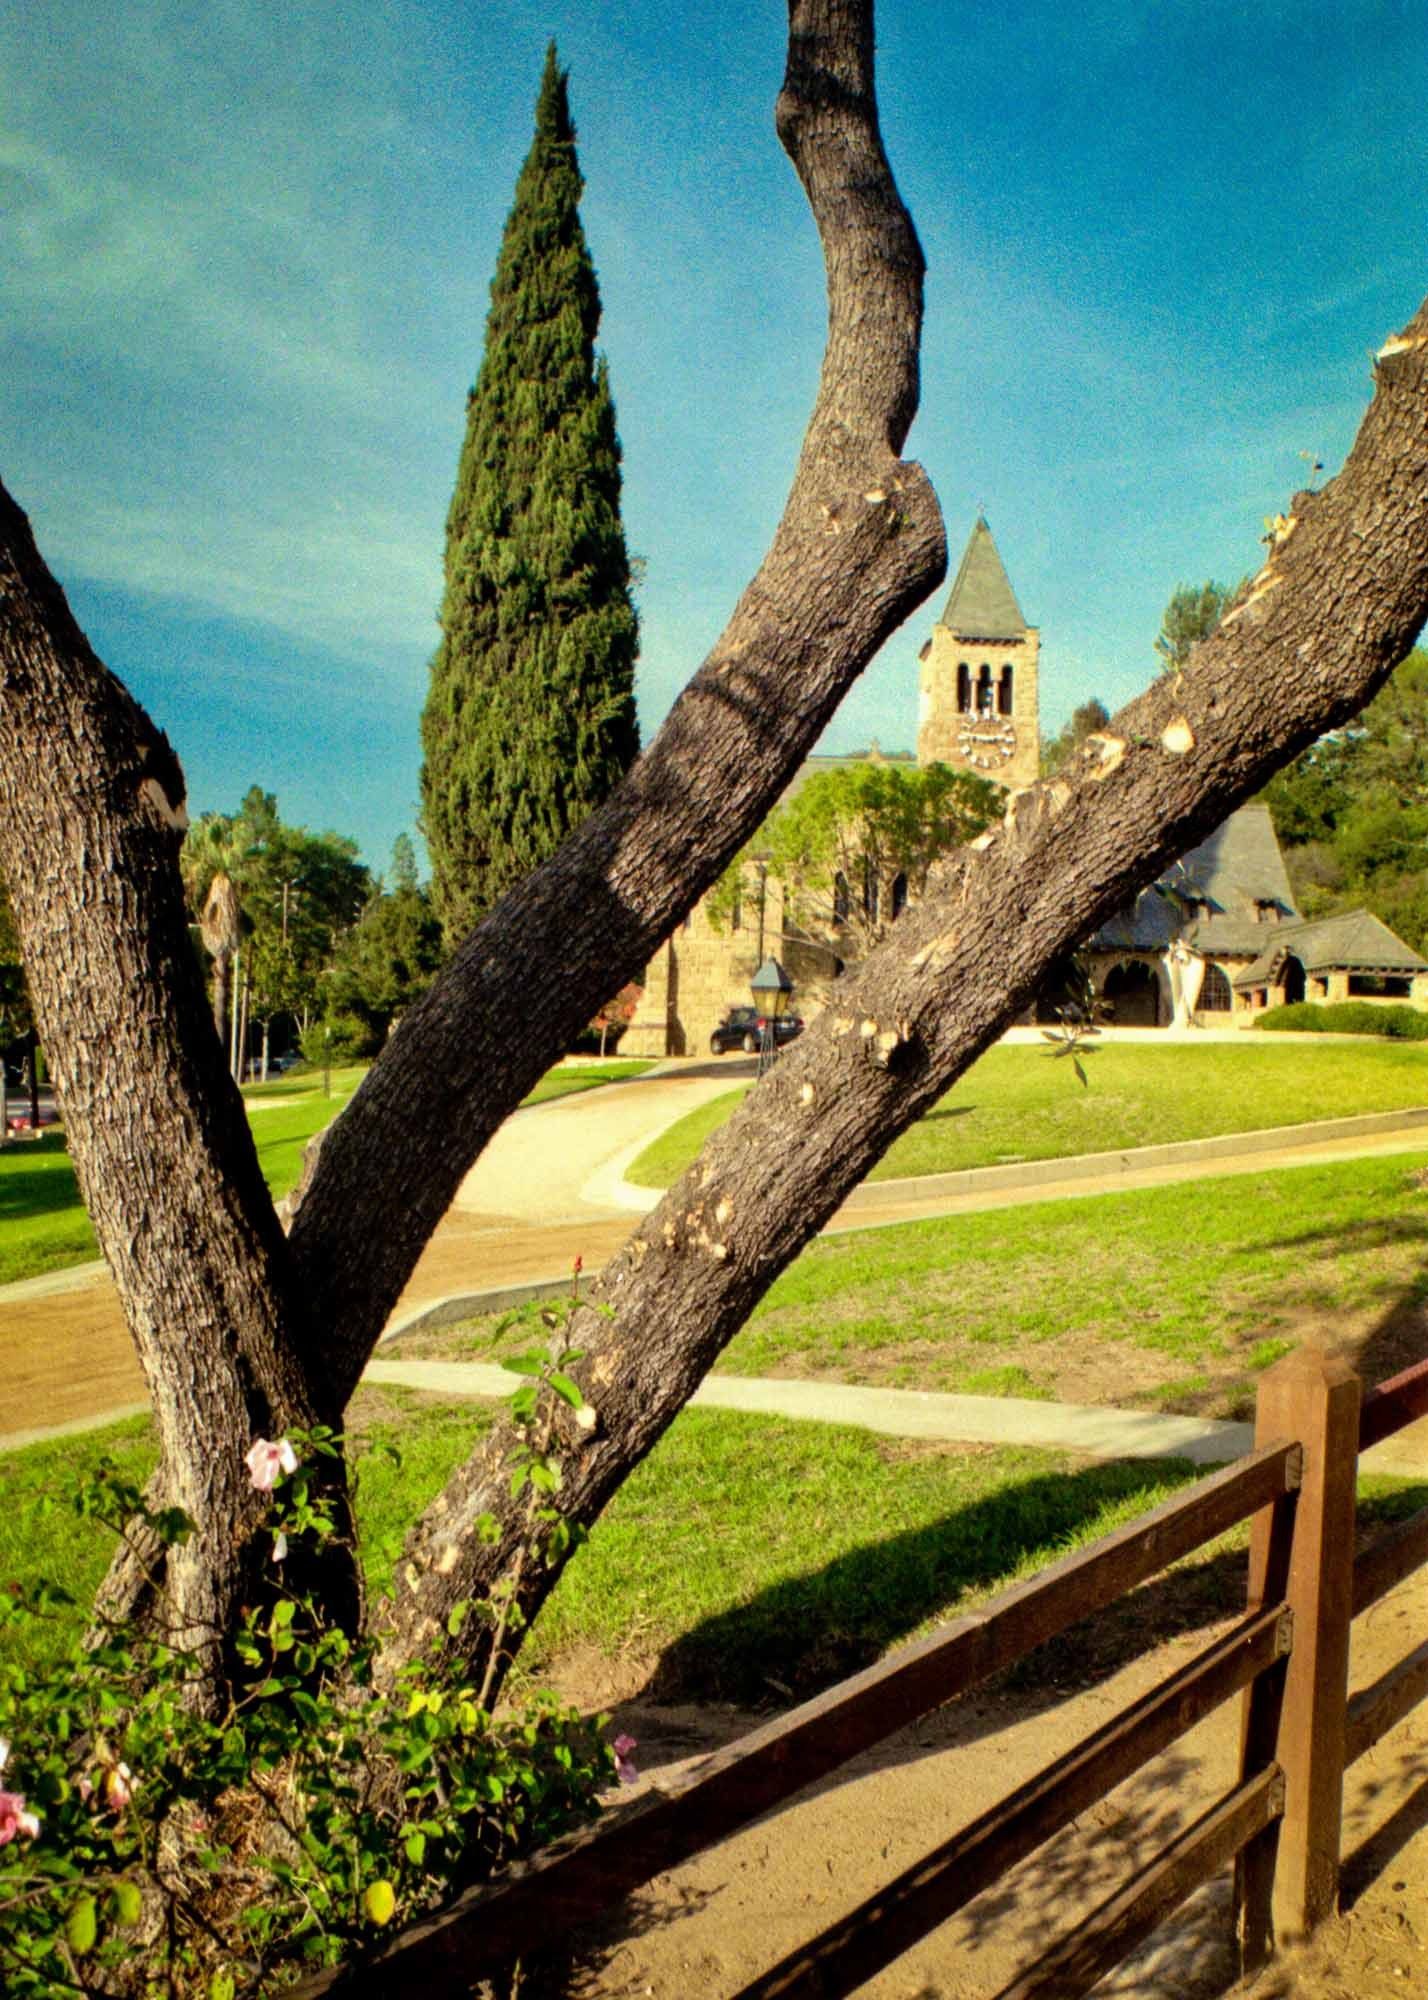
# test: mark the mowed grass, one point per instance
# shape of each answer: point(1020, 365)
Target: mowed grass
point(1173, 1298)
point(1020, 1102)
point(747, 1558)
point(43, 1224)
point(750, 1553)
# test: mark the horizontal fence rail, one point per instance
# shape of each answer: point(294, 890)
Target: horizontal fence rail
point(1374, 1710)
point(947, 1879)
point(1129, 1917)
point(1401, 1400)
point(578, 1879)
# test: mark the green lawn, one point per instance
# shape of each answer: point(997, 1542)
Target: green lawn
point(1019, 1103)
point(1170, 1298)
point(751, 1552)
point(754, 1558)
point(43, 1225)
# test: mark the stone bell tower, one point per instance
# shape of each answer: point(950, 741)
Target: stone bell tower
point(977, 696)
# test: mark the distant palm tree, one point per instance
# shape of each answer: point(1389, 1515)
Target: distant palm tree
point(212, 861)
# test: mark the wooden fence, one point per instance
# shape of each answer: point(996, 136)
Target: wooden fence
point(1287, 1659)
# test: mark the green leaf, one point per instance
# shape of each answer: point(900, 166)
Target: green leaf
point(128, 1903)
point(415, 1844)
point(82, 1926)
point(523, 1364)
point(568, 1391)
point(222, 1986)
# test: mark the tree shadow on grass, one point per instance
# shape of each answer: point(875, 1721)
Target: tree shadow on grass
point(945, 1111)
point(29, 1192)
point(808, 1631)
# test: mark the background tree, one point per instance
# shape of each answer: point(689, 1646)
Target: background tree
point(1352, 811)
point(244, 1331)
point(276, 894)
point(1087, 720)
point(16, 1018)
point(530, 718)
point(1194, 611)
point(388, 958)
point(854, 843)
point(616, 1013)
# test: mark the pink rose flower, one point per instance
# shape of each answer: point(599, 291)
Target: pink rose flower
point(267, 1460)
point(624, 1768)
point(117, 1786)
point(14, 1820)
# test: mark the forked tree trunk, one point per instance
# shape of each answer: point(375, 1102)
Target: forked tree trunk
point(241, 1332)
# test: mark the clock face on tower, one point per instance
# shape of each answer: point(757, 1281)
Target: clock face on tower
point(986, 743)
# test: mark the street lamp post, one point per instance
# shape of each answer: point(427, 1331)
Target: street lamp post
point(772, 989)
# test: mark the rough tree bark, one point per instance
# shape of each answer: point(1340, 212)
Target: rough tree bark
point(240, 1331)
point(91, 817)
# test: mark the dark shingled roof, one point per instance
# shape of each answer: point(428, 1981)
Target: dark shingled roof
point(983, 604)
point(1355, 941)
point(1230, 876)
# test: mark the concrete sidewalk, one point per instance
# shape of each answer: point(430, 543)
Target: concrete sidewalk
point(911, 1413)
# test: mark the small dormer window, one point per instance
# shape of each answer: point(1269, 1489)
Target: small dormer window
point(1266, 910)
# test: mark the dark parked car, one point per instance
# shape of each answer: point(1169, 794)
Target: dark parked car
point(743, 1028)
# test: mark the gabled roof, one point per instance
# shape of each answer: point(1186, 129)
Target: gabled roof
point(1354, 941)
point(983, 604)
point(1216, 895)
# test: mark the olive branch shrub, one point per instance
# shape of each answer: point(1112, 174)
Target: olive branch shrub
point(150, 1848)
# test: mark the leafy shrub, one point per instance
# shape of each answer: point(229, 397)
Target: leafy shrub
point(153, 1845)
point(1349, 1017)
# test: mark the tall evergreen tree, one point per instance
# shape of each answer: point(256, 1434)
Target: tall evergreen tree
point(530, 716)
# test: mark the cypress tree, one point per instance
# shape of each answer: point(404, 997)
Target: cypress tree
point(530, 715)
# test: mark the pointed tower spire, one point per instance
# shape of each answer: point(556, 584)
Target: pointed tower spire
point(977, 689)
point(983, 604)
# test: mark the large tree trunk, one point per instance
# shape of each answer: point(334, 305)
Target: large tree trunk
point(89, 836)
point(243, 1332)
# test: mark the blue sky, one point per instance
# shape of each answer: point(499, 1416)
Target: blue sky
point(245, 255)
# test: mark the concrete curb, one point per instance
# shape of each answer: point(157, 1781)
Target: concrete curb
point(1078, 1167)
point(1138, 1159)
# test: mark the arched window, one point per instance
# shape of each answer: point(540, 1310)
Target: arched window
point(842, 898)
point(1004, 691)
point(899, 894)
point(984, 690)
point(964, 688)
point(1215, 994)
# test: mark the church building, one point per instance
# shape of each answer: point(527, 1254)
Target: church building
point(1215, 941)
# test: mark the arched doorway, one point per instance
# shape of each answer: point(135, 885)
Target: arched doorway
point(1292, 979)
point(1132, 992)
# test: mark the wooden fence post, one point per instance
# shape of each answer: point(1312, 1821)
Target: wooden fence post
point(1302, 1549)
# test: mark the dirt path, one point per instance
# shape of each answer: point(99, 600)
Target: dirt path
point(710, 1927)
point(519, 1215)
